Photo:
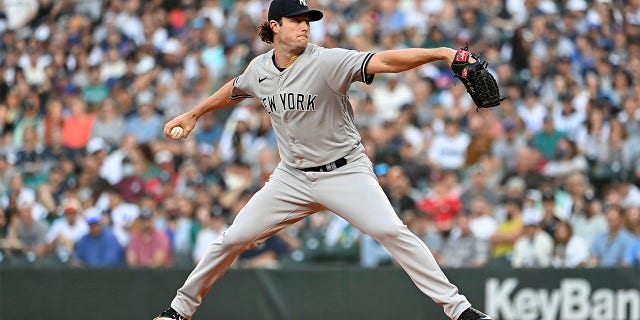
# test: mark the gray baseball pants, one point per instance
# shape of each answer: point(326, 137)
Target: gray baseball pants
point(351, 191)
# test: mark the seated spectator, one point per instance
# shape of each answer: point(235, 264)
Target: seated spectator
point(566, 160)
point(578, 190)
point(149, 246)
point(632, 220)
point(590, 222)
point(76, 129)
point(507, 232)
point(211, 230)
point(109, 124)
point(534, 248)
point(122, 215)
point(264, 255)
point(209, 131)
point(630, 194)
point(146, 125)
point(441, 202)
point(26, 234)
point(505, 148)
point(483, 223)
point(569, 251)
point(448, 150)
point(536, 119)
point(480, 138)
point(550, 219)
point(547, 138)
point(66, 231)
point(341, 239)
point(462, 249)
point(592, 142)
point(424, 227)
point(566, 118)
point(99, 248)
point(477, 186)
point(608, 249)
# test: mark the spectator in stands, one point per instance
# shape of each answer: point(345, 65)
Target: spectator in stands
point(632, 223)
point(546, 139)
point(109, 123)
point(505, 148)
point(569, 251)
point(442, 202)
point(399, 191)
point(264, 255)
point(25, 233)
point(53, 120)
point(31, 150)
point(480, 138)
point(630, 194)
point(146, 125)
point(608, 249)
point(184, 231)
point(578, 190)
point(566, 118)
point(99, 248)
point(149, 246)
point(462, 249)
point(28, 117)
point(483, 223)
point(448, 150)
point(535, 247)
point(589, 222)
point(549, 216)
point(121, 216)
point(528, 163)
point(213, 226)
point(534, 116)
point(477, 186)
point(67, 230)
point(76, 129)
point(209, 131)
point(566, 160)
point(632, 220)
point(507, 232)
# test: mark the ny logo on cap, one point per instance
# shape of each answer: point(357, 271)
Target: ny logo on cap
point(303, 2)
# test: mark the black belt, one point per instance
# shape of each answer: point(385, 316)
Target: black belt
point(327, 167)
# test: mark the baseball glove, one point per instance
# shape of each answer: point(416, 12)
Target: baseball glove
point(480, 83)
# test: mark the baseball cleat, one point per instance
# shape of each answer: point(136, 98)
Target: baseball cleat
point(170, 314)
point(473, 314)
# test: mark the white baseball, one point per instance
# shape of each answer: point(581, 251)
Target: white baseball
point(176, 132)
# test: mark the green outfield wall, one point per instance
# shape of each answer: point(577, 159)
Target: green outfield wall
point(318, 294)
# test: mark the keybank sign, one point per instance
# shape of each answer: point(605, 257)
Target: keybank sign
point(575, 299)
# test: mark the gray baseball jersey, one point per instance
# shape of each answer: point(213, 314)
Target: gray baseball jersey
point(313, 122)
point(308, 102)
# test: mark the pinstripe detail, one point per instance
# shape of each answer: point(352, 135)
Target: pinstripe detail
point(363, 69)
point(238, 96)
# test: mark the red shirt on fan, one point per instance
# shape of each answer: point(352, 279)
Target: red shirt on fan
point(442, 203)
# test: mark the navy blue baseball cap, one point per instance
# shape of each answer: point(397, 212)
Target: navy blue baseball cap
point(290, 8)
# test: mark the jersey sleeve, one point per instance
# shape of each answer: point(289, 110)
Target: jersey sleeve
point(242, 84)
point(344, 67)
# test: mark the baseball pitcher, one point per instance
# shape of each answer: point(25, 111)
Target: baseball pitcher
point(303, 87)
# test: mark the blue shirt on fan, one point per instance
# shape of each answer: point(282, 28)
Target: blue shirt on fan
point(101, 251)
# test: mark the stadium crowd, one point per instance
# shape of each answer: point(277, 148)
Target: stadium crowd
point(548, 179)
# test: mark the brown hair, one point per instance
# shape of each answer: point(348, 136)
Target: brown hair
point(265, 32)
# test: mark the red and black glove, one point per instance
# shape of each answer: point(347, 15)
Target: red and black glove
point(480, 83)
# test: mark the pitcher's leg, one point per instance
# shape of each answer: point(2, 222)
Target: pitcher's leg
point(358, 198)
point(270, 210)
